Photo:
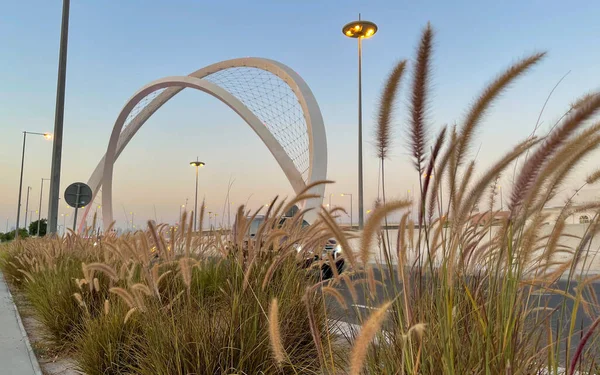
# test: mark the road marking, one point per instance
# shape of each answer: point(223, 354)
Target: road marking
point(364, 307)
point(367, 307)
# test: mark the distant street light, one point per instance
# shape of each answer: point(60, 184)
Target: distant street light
point(27, 207)
point(31, 212)
point(45, 135)
point(360, 30)
point(350, 195)
point(40, 209)
point(196, 164)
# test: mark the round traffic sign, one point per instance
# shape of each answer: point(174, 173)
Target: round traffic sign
point(78, 195)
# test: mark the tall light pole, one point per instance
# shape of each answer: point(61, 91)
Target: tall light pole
point(27, 206)
point(58, 121)
point(196, 164)
point(40, 208)
point(360, 30)
point(351, 216)
point(45, 135)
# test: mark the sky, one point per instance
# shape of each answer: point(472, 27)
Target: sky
point(116, 47)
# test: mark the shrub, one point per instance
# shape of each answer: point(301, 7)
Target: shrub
point(106, 344)
point(221, 326)
point(51, 295)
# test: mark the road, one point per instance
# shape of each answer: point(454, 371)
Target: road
point(361, 307)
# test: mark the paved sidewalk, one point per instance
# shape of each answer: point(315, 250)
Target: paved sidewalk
point(16, 356)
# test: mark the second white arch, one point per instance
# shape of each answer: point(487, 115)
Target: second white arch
point(103, 174)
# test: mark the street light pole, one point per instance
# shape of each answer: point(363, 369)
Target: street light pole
point(40, 208)
point(360, 30)
point(360, 142)
point(196, 164)
point(58, 121)
point(27, 206)
point(45, 135)
point(20, 187)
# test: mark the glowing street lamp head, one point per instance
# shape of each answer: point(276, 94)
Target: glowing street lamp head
point(197, 163)
point(360, 29)
point(47, 135)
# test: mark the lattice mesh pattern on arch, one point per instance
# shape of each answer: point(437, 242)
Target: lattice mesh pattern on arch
point(140, 106)
point(275, 105)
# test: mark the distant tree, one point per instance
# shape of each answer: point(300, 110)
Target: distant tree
point(11, 235)
point(33, 228)
point(22, 233)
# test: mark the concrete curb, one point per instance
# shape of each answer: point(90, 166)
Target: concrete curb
point(34, 362)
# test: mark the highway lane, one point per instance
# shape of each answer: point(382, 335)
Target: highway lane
point(362, 307)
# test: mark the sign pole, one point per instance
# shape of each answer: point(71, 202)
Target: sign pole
point(78, 195)
point(76, 207)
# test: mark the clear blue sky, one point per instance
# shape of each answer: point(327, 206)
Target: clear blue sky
point(115, 47)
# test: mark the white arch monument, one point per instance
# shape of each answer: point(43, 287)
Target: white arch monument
point(268, 95)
